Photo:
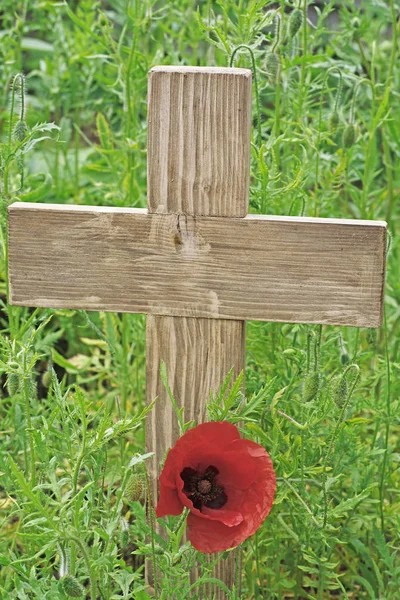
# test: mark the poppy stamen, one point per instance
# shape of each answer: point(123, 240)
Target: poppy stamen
point(200, 487)
point(204, 486)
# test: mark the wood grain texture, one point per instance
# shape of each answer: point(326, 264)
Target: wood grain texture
point(198, 164)
point(288, 269)
point(198, 354)
point(199, 140)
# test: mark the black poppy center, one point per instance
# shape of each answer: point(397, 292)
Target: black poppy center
point(202, 489)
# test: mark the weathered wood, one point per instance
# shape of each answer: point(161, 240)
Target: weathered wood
point(198, 164)
point(199, 140)
point(198, 354)
point(289, 269)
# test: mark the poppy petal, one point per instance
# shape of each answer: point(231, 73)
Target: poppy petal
point(213, 536)
point(240, 468)
point(169, 503)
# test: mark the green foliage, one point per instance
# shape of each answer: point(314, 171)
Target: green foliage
point(325, 142)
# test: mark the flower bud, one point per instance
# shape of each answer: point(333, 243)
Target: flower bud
point(295, 22)
point(333, 120)
point(273, 66)
point(31, 387)
point(311, 386)
point(349, 136)
point(157, 549)
point(135, 488)
point(46, 378)
point(124, 538)
point(356, 28)
point(71, 587)
point(12, 384)
point(20, 131)
point(339, 391)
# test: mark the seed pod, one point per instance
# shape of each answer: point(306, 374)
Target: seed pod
point(339, 391)
point(135, 487)
point(349, 135)
point(273, 66)
point(333, 120)
point(311, 386)
point(71, 587)
point(295, 22)
point(12, 384)
point(20, 131)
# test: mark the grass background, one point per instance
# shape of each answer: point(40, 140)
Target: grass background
point(326, 142)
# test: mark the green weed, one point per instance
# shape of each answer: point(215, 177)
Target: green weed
point(323, 401)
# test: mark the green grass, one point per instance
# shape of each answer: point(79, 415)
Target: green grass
point(325, 142)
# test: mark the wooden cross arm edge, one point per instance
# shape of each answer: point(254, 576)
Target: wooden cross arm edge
point(289, 269)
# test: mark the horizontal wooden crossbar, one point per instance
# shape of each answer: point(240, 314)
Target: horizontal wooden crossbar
point(289, 269)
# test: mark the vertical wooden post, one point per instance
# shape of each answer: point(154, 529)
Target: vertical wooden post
point(198, 164)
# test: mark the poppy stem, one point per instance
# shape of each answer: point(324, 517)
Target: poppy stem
point(178, 411)
point(335, 433)
point(178, 530)
point(300, 499)
point(238, 571)
point(253, 64)
point(90, 570)
point(153, 550)
point(182, 518)
point(259, 587)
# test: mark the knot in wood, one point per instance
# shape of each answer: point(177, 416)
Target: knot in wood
point(187, 238)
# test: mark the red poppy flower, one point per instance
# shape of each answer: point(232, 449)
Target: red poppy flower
point(228, 483)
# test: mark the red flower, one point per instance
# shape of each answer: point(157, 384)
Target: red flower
point(228, 483)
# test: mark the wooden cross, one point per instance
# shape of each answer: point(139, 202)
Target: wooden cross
point(195, 261)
